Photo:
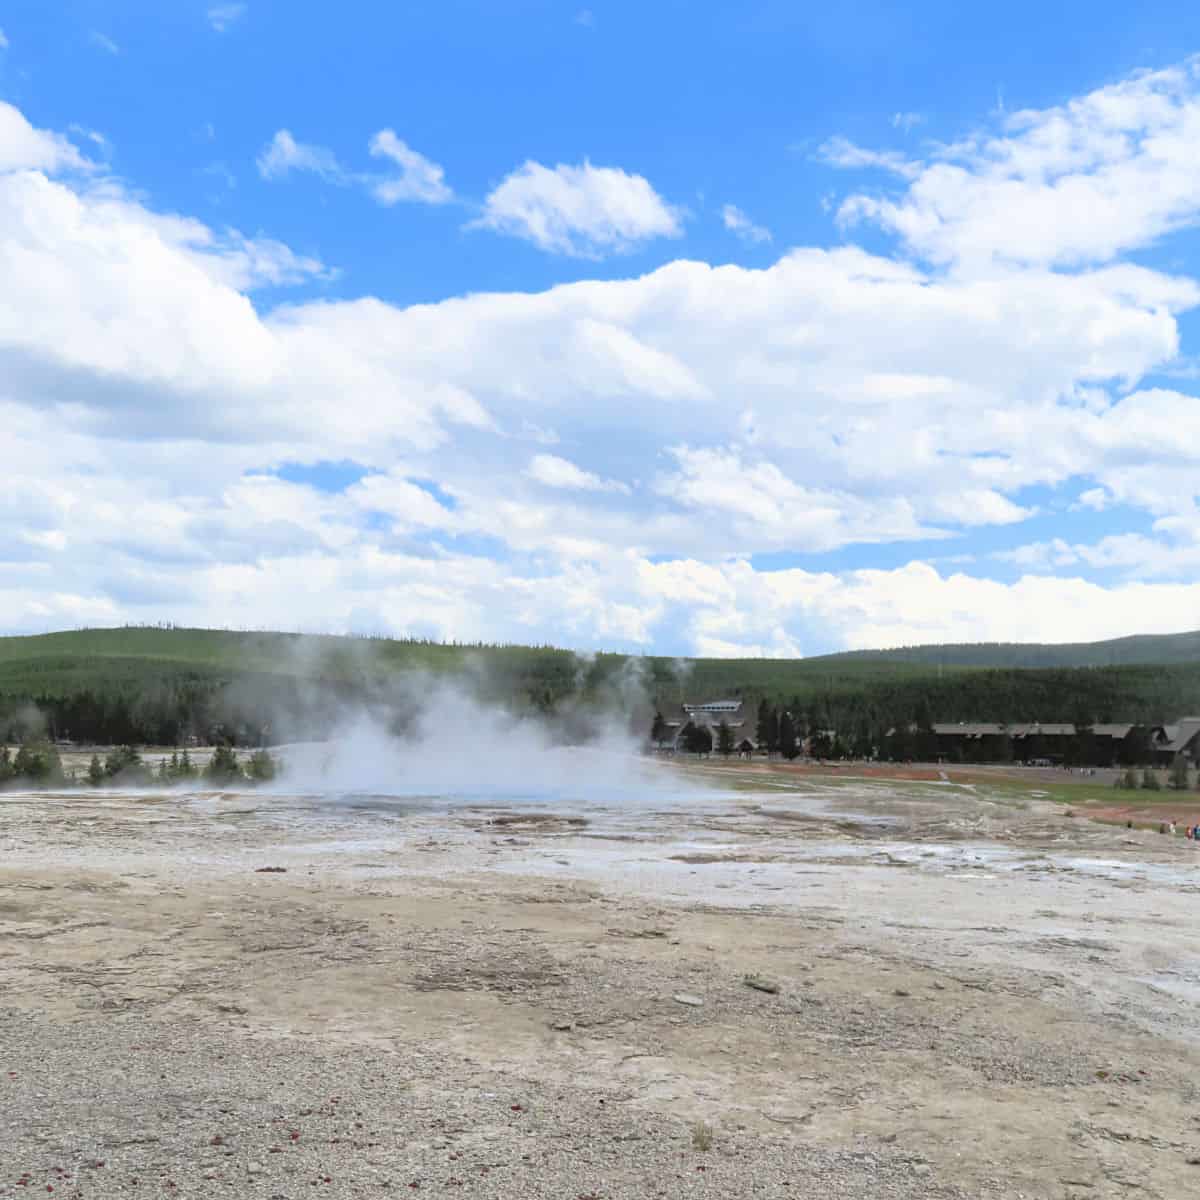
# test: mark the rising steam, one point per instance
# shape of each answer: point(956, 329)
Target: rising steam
point(455, 746)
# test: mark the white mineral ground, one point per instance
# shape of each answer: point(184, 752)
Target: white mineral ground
point(975, 997)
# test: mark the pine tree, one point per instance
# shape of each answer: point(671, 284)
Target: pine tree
point(1135, 748)
point(787, 737)
point(697, 739)
point(262, 768)
point(862, 746)
point(223, 767)
point(124, 763)
point(38, 762)
point(1084, 747)
point(95, 771)
point(1004, 748)
point(924, 739)
point(724, 740)
point(899, 743)
point(658, 731)
point(763, 726)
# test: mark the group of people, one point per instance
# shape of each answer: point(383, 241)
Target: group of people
point(1191, 832)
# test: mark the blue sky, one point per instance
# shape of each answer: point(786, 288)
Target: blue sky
point(882, 326)
point(714, 103)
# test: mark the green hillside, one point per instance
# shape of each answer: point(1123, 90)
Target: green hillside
point(1141, 650)
point(60, 664)
point(304, 654)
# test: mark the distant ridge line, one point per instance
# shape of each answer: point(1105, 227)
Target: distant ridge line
point(1173, 649)
point(1150, 649)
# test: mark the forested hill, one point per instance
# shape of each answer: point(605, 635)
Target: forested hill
point(162, 686)
point(1142, 650)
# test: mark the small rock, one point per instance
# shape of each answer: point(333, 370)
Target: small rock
point(688, 999)
point(254, 1168)
point(759, 984)
point(562, 1026)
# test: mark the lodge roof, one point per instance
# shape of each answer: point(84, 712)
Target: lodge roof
point(1180, 736)
point(968, 729)
point(978, 729)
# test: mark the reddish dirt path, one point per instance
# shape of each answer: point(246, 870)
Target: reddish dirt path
point(1183, 811)
point(917, 772)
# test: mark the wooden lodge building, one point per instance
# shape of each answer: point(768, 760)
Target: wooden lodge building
point(1057, 742)
point(1046, 743)
point(709, 716)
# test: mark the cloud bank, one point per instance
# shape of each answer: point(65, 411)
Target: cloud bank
point(708, 423)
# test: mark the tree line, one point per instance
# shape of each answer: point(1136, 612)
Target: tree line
point(1179, 778)
point(159, 714)
point(844, 709)
point(39, 764)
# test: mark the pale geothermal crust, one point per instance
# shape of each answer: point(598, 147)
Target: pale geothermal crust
point(971, 998)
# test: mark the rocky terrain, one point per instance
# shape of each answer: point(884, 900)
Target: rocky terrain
point(863, 990)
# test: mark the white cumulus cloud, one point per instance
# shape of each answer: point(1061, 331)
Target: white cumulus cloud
point(1083, 182)
point(419, 178)
point(840, 152)
point(555, 472)
point(585, 211)
point(737, 222)
point(103, 42)
point(223, 17)
point(284, 154)
point(24, 147)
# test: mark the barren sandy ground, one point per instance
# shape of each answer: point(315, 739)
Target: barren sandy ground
point(974, 998)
